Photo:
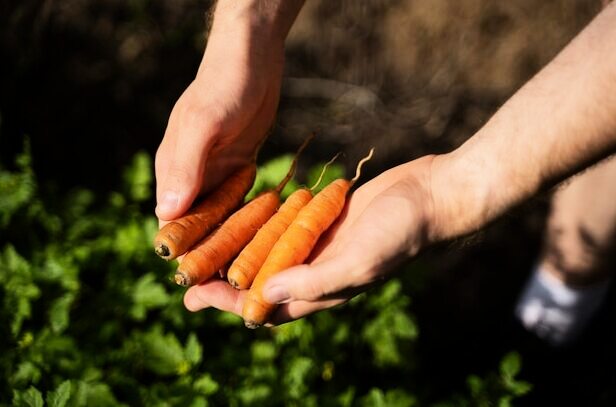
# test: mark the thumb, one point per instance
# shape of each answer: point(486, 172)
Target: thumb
point(314, 282)
point(184, 175)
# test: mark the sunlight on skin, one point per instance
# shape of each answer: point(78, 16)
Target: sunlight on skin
point(352, 255)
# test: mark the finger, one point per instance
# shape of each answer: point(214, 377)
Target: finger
point(184, 175)
point(215, 293)
point(298, 309)
point(316, 281)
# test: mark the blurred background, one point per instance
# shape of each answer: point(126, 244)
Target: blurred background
point(91, 84)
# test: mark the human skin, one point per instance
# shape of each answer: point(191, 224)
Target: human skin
point(561, 121)
point(225, 113)
point(580, 238)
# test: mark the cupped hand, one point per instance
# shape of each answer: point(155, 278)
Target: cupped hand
point(220, 120)
point(386, 221)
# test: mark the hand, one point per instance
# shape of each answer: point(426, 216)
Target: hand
point(386, 221)
point(220, 120)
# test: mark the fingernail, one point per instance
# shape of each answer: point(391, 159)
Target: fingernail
point(277, 295)
point(168, 202)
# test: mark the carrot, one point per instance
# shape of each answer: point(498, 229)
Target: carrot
point(296, 243)
point(245, 267)
point(176, 237)
point(216, 250)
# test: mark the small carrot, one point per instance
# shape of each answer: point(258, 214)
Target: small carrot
point(176, 237)
point(216, 250)
point(296, 243)
point(245, 267)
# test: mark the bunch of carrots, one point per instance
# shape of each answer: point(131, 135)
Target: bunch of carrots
point(258, 240)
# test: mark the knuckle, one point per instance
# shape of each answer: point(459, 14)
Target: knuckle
point(209, 120)
point(361, 274)
point(180, 173)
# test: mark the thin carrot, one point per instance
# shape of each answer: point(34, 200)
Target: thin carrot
point(296, 243)
point(216, 250)
point(176, 237)
point(245, 267)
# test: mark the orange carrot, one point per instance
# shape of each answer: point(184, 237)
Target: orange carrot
point(176, 237)
point(245, 267)
point(216, 250)
point(296, 243)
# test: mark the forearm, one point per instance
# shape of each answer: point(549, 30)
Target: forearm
point(561, 121)
point(269, 20)
point(250, 30)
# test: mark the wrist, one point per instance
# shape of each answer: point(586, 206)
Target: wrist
point(461, 192)
point(269, 20)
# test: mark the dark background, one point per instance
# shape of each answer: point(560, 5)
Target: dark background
point(92, 82)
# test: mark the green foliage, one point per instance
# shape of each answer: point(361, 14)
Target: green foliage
point(270, 174)
point(496, 389)
point(90, 317)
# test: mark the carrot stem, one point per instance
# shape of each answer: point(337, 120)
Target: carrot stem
point(291, 172)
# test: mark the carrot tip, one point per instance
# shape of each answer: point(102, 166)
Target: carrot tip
point(181, 279)
point(162, 251)
point(251, 324)
point(234, 283)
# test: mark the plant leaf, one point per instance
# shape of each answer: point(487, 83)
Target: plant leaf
point(60, 396)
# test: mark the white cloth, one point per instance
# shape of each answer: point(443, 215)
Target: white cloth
point(556, 312)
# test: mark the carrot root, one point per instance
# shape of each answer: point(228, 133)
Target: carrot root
point(162, 250)
point(182, 279)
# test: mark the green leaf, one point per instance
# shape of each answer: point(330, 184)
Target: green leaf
point(520, 388)
point(403, 326)
point(129, 240)
point(391, 325)
point(504, 401)
point(163, 353)
point(270, 174)
point(28, 398)
point(399, 398)
point(138, 177)
point(296, 376)
point(60, 396)
point(16, 189)
point(254, 395)
point(346, 398)
point(94, 394)
point(20, 290)
point(510, 365)
point(263, 351)
point(475, 384)
point(193, 350)
point(59, 313)
point(198, 402)
point(148, 294)
point(300, 330)
point(27, 372)
point(374, 398)
point(228, 319)
point(206, 385)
